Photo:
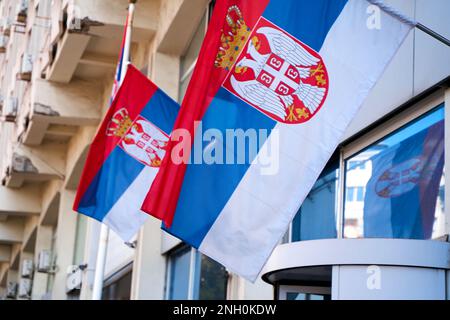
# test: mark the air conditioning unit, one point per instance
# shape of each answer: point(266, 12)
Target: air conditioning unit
point(10, 109)
point(74, 278)
point(25, 288)
point(3, 43)
point(6, 26)
point(27, 269)
point(11, 290)
point(21, 11)
point(26, 67)
point(44, 263)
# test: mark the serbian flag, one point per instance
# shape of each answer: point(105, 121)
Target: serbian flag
point(401, 195)
point(295, 70)
point(126, 155)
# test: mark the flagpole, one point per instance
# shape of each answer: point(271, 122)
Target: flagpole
point(104, 231)
point(126, 49)
point(404, 18)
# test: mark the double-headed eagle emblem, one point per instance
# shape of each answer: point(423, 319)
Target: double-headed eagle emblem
point(276, 73)
point(139, 138)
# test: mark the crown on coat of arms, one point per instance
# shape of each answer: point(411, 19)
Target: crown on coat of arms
point(232, 41)
point(119, 124)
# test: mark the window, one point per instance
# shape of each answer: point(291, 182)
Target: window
point(179, 273)
point(399, 192)
point(192, 275)
point(350, 193)
point(118, 286)
point(306, 296)
point(211, 279)
point(361, 165)
point(392, 185)
point(289, 292)
point(316, 218)
point(354, 194)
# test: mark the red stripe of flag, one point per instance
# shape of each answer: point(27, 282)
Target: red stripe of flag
point(161, 201)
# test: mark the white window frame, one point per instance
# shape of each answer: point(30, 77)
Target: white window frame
point(192, 257)
point(346, 151)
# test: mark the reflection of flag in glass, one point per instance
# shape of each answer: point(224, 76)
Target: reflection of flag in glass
point(401, 196)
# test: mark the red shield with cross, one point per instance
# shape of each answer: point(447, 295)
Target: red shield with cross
point(279, 76)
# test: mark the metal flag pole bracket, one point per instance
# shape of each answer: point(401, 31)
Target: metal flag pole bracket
point(404, 18)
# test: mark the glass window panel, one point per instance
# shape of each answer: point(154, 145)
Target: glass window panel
point(295, 296)
point(401, 184)
point(349, 193)
point(211, 281)
point(360, 194)
point(306, 296)
point(179, 264)
point(316, 218)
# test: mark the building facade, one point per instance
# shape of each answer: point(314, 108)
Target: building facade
point(57, 64)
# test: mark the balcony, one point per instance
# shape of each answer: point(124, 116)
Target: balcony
point(86, 36)
point(55, 111)
point(34, 164)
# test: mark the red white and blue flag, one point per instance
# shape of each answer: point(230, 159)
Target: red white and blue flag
point(297, 69)
point(400, 200)
point(126, 155)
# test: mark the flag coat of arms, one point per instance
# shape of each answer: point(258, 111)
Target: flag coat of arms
point(400, 200)
point(126, 154)
point(298, 69)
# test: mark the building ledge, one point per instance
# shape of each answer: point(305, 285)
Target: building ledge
point(20, 202)
point(28, 164)
point(94, 31)
point(57, 110)
point(290, 261)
